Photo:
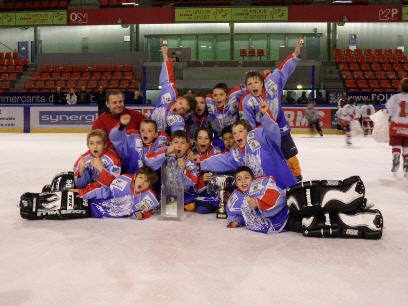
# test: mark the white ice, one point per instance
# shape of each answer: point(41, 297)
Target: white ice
point(197, 261)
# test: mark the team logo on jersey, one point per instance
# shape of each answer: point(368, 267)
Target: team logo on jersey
point(119, 184)
point(256, 186)
point(172, 119)
point(146, 204)
point(115, 170)
point(166, 98)
point(271, 86)
point(138, 143)
point(232, 201)
point(252, 142)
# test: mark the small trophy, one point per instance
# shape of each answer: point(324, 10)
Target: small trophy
point(222, 182)
point(172, 191)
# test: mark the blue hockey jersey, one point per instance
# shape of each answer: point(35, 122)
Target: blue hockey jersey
point(261, 153)
point(132, 151)
point(274, 83)
point(271, 213)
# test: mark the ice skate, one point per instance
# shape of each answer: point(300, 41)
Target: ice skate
point(396, 163)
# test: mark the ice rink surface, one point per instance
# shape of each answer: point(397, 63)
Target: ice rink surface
point(197, 261)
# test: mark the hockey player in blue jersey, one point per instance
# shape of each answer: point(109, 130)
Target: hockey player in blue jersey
point(145, 142)
point(170, 108)
point(269, 89)
point(127, 195)
point(257, 203)
point(97, 163)
point(258, 149)
point(178, 149)
point(197, 118)
point(314, 208)
point(223, 109)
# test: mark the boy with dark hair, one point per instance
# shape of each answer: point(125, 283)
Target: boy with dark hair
point(97, 165)
point(133, 146)
point(126, 195)
point(197, 118)
point(223, 109)
point(170, 109)
point(178, 150)
point(397, 107)
point(228, 138)
point(269, 89)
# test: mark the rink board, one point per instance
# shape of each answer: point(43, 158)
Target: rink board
point(49, 118)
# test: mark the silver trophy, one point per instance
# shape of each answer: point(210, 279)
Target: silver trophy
point(220, 183)
point(172, 191)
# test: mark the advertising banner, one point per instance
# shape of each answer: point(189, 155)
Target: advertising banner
point(345, 13)
point(232, 14)
point(11, 119)
point(44, 97)
point(361, 97)
point(404, 13)
point(296, 117)
point(33, 18)
point(145, 15)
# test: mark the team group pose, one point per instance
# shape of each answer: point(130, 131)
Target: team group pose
point(242, 132)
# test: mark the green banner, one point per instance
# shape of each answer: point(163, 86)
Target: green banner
point(246, 14)
point(33, 18)
point(404, 13)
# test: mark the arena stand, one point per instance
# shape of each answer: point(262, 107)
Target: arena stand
point(372, 70)
point(11, 67)
point(16, 5)
point(75, 76)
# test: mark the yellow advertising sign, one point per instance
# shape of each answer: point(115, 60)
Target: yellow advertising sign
point(33, 18)
point(279, 13)
point(404, 13)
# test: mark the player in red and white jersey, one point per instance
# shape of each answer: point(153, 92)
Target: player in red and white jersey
point(397, 107)
point(348, 113)
point(366, 110)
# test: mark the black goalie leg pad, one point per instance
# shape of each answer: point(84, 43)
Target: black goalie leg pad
point(318, 197)
point(366, 224)
point(53, 205)
point(61, 181)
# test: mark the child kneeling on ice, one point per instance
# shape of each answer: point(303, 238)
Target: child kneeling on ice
point(127, 195)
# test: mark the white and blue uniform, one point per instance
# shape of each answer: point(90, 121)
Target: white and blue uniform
point(90, 177)
point(166, 120)
point(120, 199)
point(132, 151)
point(261, 153)
point(274, 83)
point(271, 213)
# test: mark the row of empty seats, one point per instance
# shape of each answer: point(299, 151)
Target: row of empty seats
point(13, 62)
point(12, 68)
point(87, 75)
point(368, 52)
point(373, 66)
point(372, 85)
point(5, 85)
point(83, 68)
point(8, 76)
point(15, 5)
point(50, 85)
point(252, 52)
point(13, 54)
point(368, 75)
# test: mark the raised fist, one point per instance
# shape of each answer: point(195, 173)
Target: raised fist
point(125, 119)
point(263, 107)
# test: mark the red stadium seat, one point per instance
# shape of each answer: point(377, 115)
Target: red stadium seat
point(388, 52)
point(8, 55)
point(76, 75)
point(84, 67)
point(380, 75)
point(362, 84)
point(391, 75)
point(365, 66)
point(337, 52)
point(10, 62)
point(369, 75)
point(4, 76)
point(117, 75)
point(2, 62)
point(358, 52)
point(346, 75)
point(66, 75)
point(374, 84)
point(70, 84)
point(76, 68)
point(124, 84)
point(11, 68)
point(343, 66)
point(113, 84)
point(55, 75)
point(59, 68)
point(386, 66)
point(398, 52)
point(354, 66)
point(28, 85)
point(251, 52)
point(103, 83)
point(81, 83)
point(19, 69)
point(396, 66)
point(127, 67)
point(86, 75)
point(339, 59)
point(96, 75)
point(351, 59)
point(368, 52)
point(243, 53)
point(376, 67)
point(405, 66)
point(60, 83)
point(117, 67)
point(378, 52)
point(134, 84)
point(127, 75)
point(68, 68)
point(110, 68)
point(403, 59)
point(260, 53)
point(386, 84)
point(45, 76)
point(358, 75)
point(361, 59)
point(351, 84)
point(402, 74)
point(348, 52)
point(107, 75)
point(50, 84)
point(35, 76)
point(1, 54)
point(92, 84)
